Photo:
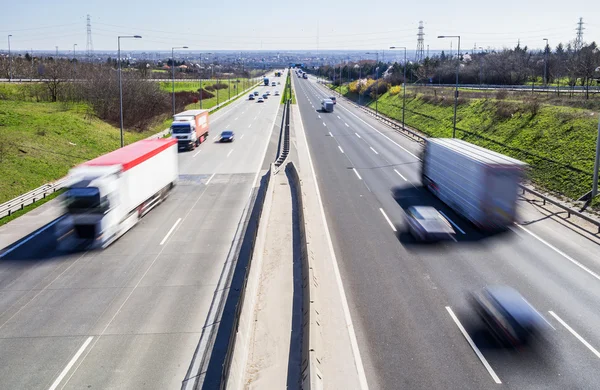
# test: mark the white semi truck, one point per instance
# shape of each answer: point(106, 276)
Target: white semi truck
point(477, 183)
point(107, 196)
point(190, 128)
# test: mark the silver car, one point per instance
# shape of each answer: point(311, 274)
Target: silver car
point(426, 223)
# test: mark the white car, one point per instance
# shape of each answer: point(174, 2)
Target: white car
point(276, 93)
point(426, 223)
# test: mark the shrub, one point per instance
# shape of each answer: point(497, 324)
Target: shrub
point(395, 90)
point(501, 94)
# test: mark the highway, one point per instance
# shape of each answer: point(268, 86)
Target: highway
point(408, 301)
point(131, 316)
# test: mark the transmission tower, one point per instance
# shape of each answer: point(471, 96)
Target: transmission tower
point(420, 55)
point(579, 37)
point(89, 47)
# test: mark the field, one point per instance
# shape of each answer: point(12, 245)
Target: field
point(558, 141)
point(39, 142)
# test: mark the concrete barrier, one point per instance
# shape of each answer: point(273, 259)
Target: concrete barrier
point(312, 344)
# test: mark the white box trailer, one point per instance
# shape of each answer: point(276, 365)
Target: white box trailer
point(106, 196)
point(477, 183)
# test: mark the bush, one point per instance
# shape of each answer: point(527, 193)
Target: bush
point(395, 90)
point(501, 94)
point(532, 106)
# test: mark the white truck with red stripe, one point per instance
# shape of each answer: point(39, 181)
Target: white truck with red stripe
point(107, 196)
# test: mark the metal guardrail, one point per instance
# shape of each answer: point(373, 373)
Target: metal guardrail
point(19, 203)
point(284, 139)
point(422, 139)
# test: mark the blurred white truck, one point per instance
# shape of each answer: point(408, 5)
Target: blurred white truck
point(477, 183)
point(107, 196)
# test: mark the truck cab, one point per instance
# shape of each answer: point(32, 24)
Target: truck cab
point(326, 105)
point(184, 131)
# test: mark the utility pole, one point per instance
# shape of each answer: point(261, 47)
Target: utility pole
point(597, 162)
point(56, 51)
point(10, 74)
point(456, 90)
point(546, 62)
point(173, 72)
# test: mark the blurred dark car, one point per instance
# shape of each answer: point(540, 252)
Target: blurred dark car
point(426, 223)
point(508, 316)
point(226, 136)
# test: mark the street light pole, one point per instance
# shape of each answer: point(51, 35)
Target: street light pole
point(597, 162)
point(120, 83)
point(173, 72)
point(403, 82)
point(9, 60)
point(456, 90)
point(480, 66)
point(74, 62)
point(546, 62)
point(376, 81)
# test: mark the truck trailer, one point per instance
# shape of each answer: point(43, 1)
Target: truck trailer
point(190, 128)
point(479, 184)
point(107, 196)
point(266, 81)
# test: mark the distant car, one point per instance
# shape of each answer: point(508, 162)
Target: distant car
point(226, 136)
point(260, 100)
point(273, 84)
point(265, 96)
point(255, 93)
point(276, 93)
point(508, 316)
point(278, 83)
point(332, 98)
point(268, 92)
point(251, 97)
point(426, 223)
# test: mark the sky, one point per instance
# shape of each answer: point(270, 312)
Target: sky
point(293, 25)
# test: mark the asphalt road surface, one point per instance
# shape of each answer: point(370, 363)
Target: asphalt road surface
point(131, 316)
point(408, 300)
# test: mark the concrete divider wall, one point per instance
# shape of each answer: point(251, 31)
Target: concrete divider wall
point(239, 345)
point(312, 345)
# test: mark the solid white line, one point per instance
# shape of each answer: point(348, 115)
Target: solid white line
point(341, 150)
point(563, 254)
point(229, 152)
point(380, 133)
point(452, 222)
point(346, 124)
point(242, 136)
point(338, 278)
point(32, 236)
point(71, 363)
point(195, 154)
point(210, 178)
point(374, 151)
point(399, 174)
point(358, 135)
point(170, 231)
point(324, 124)
point(588, 345)
point(387, 219)
point(355, 171)
point(473, 346)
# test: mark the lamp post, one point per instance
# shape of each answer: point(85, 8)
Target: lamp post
point(545, 62)
point(403, 82)
point(173, 72)
point(480, 66)
point(596, 163)
point(376, 81)
point(9, 60)
point(74, 62)
point(201, 79)
point(456, 90)
point(120, 82)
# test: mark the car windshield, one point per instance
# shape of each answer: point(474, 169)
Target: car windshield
point(227, 133)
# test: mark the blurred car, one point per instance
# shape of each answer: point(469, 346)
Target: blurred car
point(227, 136)
point(268, 92)
point(508, 316)
point(426, 223)
point(332, 99)
point(255, 93)
point(279, 82)
point(265, 96)
point(276, 93)
point(251, 97)
point(260, 100)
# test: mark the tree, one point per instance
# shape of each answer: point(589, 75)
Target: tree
point(55, 74)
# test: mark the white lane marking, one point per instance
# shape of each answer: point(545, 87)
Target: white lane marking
point(346, 124)
point(588, 345)
point(210, 178)
point(341, 150)
point(195, 154)
point(170, 231)
point(355, 171)
point(32, 236)
point(319, 116)
point(380, 133)
point(331, 135)
point(324, 124)
point(250, 125)
point(452, 222)
point(358, 135)
point(236, 118)
point(362, 378)
point(255, 117)
point(229, 152)
point(229, 125)
point(387, 219)
point(242, 136)
point(216, 136)
point(563, 254)
point(339, 117)
point(71, 363)
point(399, 174)
point(374, 151)
point(473, 346)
